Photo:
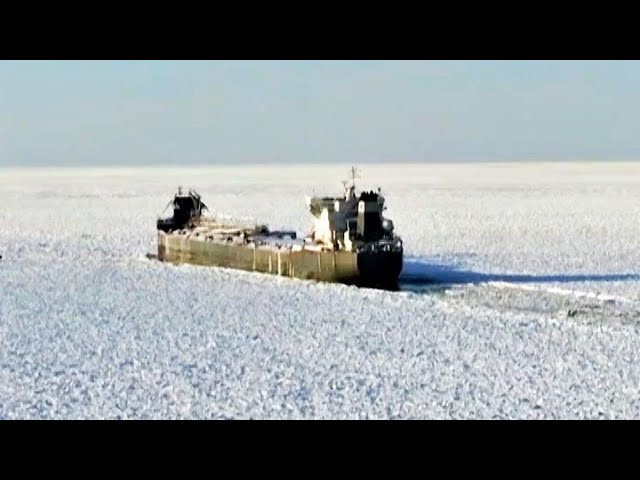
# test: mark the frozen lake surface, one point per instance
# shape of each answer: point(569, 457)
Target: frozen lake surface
point(521, 298)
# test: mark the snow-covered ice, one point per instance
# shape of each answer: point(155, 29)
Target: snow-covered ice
point(521, 298)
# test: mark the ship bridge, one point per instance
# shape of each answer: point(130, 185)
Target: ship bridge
point(349, 221)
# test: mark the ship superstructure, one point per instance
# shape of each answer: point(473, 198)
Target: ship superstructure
point(353, 222)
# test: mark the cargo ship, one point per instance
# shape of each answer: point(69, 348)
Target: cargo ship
point(351, 241)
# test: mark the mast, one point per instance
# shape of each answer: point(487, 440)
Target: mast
point(354, 173)
point(351, 191)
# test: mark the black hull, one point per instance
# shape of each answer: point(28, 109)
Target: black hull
point(379, 269)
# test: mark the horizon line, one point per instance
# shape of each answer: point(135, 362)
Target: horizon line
point(313, 164)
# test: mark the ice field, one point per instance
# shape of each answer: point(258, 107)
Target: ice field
point(520, 298)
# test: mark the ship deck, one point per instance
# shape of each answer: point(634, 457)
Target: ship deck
point(239, 235)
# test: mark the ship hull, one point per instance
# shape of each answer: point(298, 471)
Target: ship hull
point(366, 269)
point(379, 268)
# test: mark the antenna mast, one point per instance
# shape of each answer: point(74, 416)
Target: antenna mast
point(355, 173)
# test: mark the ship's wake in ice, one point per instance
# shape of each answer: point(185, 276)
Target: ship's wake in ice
point(424, 276)
point(423, 272)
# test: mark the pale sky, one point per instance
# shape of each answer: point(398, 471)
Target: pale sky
point(86, 113)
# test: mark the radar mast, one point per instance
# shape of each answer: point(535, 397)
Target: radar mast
point(351, 191)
